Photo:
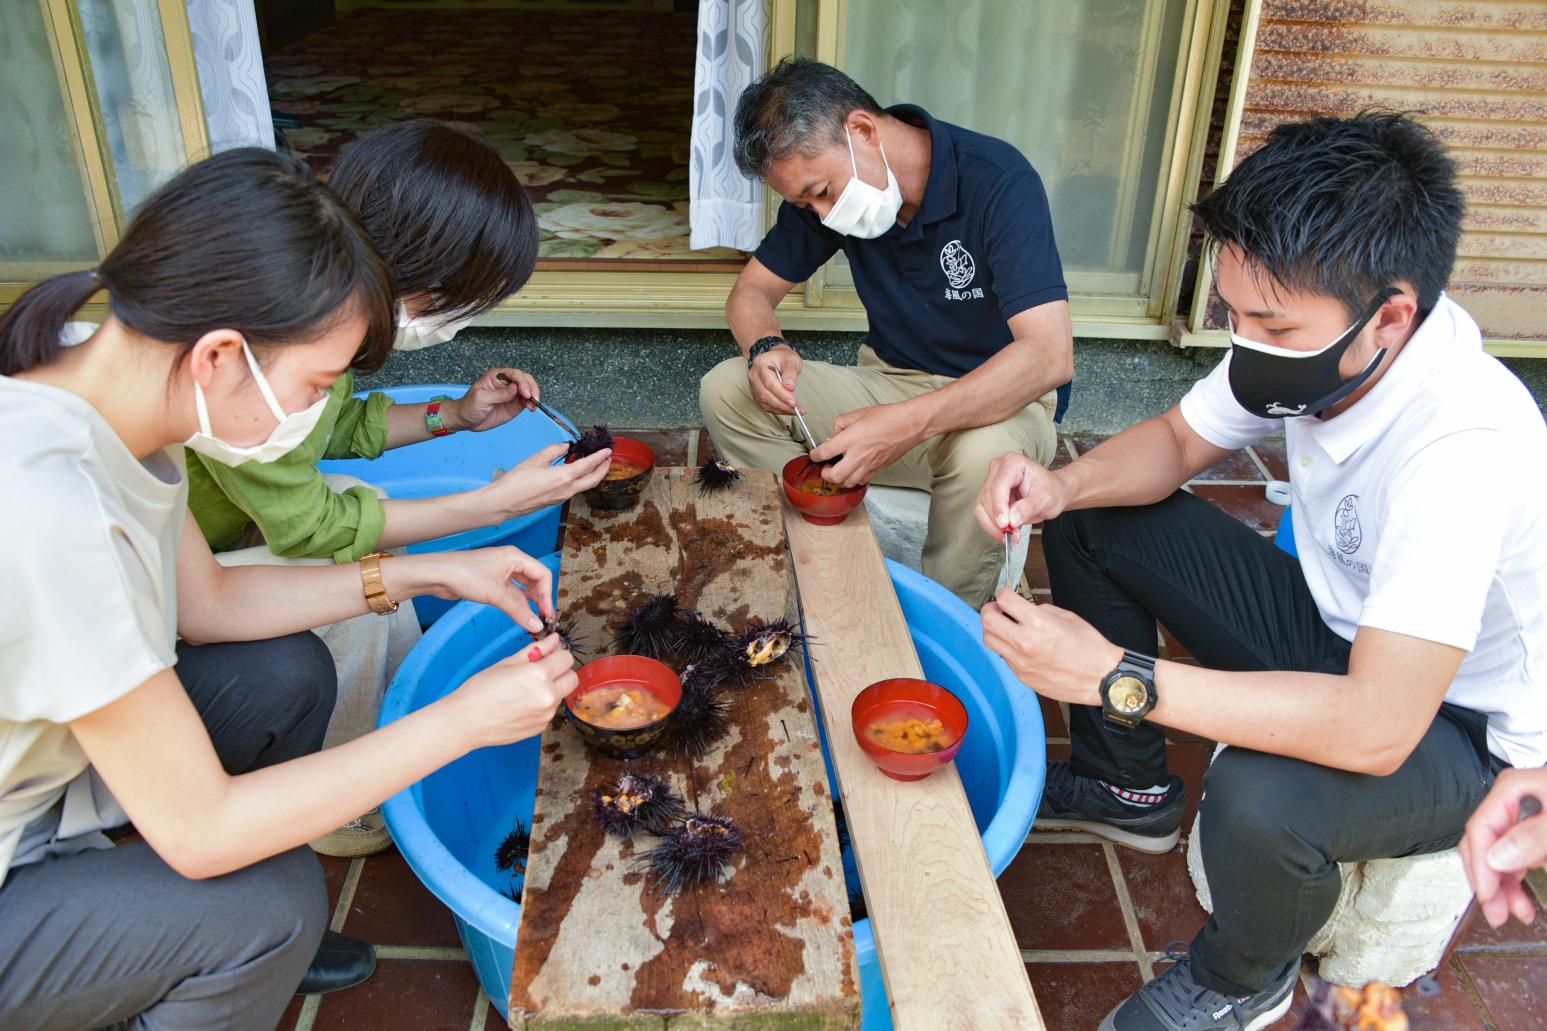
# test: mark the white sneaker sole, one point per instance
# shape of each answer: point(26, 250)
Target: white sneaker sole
point(1138, 842)
point(1263, 1020)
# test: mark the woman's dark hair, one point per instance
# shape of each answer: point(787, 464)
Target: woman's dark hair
point(246, 240)
point(1344, 207)
point(800, 105)
point(445, 210)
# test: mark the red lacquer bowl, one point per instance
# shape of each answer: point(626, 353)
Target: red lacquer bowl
point(821, 509)
point(653, 678)
point(616, 495)
point(900, 699)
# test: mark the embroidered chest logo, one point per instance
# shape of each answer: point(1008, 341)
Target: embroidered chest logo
point(1345, 525)
point(957, 264)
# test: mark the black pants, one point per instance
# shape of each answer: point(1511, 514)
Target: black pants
point(1273, 828)
point(105, 935)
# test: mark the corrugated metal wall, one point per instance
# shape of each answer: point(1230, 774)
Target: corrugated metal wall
point(1474, 70)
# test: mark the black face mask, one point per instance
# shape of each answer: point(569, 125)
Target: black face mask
point(1276, 382)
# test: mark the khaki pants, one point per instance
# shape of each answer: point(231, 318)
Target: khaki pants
point(957, 553)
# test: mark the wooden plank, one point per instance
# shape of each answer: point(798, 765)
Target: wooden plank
point(771, 945)
point(946, 948)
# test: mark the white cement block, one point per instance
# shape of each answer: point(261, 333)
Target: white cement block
point(900, 516)
point(1393, 917)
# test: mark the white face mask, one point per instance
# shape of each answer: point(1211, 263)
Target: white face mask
point(864, 211)
point(287, 436)
point(415, 333)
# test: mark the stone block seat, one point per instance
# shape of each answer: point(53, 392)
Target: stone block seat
point(1392, 921)
point(900, 516)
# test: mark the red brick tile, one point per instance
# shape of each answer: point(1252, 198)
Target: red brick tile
point(1062, 897)
point(1513, 934)
point(706, 448)
point(1271, 451)
point(1511, 988)
point(292, 1011)
point(670, 446)
point(1237, 465)
point(1052, 718)
point(1078, 995)
point(1083, 444)
point(1036, 563)
point(427, 995)
point(1061, 456)
point(1246, 503)
point(1451, 1009)
point(1163, 896)
point(1190, 760)
point(334, 870)
point(391, 907)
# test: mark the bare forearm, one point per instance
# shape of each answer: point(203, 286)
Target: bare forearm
point(750, 314)
point(1140, 466)
point(993, 392)
point(405, 425)
point(265, 812)
point(1326, 719)
point(254, 603)
point(413, 520)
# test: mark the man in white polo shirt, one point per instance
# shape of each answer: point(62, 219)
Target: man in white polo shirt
point(1370, 690)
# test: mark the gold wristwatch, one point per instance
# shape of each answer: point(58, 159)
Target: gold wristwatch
point(370, 580)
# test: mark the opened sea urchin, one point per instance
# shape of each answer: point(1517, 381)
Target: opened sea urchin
point(636, 801)
point(715, 475)
point(591, 441)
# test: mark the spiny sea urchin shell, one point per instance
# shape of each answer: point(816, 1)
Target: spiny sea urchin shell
point(591, 441)
point(695, 852)
point(697, 638)
point(715, 475)
point(702, 717)
point(512, 852)
point(650, 627)
point(765, 643)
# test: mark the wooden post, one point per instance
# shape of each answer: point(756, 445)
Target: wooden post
point(771, 946)
point(946, 948)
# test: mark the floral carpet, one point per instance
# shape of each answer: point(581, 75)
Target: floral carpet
point(592, 110)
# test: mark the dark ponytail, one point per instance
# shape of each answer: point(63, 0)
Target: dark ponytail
point(30, 330)
point(246, 240)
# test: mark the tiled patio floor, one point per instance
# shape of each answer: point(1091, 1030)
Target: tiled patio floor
point(1093, 920)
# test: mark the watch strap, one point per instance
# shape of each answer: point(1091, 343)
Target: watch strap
point(376, 595)
point(1144, 662)
point(764, 345)
point(432, 420)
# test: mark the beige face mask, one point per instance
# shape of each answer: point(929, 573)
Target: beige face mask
point(416, 333)
point(293, 428)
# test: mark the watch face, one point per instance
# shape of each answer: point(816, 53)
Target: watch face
point(1127, 694)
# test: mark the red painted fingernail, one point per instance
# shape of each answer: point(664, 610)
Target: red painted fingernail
point(535, 654)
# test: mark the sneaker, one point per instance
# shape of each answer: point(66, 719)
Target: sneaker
point(1073, 802)
point(1175, 1002)
point(364, 836)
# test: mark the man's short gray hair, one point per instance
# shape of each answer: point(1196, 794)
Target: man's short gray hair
point(799, 106)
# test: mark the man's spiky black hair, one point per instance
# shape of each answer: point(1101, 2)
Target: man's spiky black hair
point(1343, 207)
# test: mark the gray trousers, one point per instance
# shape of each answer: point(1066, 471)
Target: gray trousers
point(115, 934)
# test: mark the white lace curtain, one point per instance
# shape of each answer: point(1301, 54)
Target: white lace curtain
point(726, 208)
point(236, 98)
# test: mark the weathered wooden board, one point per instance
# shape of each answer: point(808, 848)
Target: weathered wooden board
point(771, 945)
point(944, 941)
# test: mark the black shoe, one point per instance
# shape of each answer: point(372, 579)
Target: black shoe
point(1176, 1002)
point(341, 962)
point(1072, 802)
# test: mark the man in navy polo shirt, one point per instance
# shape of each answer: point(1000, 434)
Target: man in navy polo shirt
point(951, 245)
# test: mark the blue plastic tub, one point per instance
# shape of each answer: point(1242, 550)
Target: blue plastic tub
point(447, 826)
point(461, 462)
point(1284, 536)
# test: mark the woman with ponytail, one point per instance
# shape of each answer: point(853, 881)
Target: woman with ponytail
point(139, 679)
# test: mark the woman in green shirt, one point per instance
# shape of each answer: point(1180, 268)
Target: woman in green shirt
point(458, 231)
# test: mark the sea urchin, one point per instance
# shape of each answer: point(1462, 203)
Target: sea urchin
point(702, 716)
point(715, 475)
point(697, 639)
point(591, 441)
point(636, 801)
point(650, 627)
point(696, 852)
